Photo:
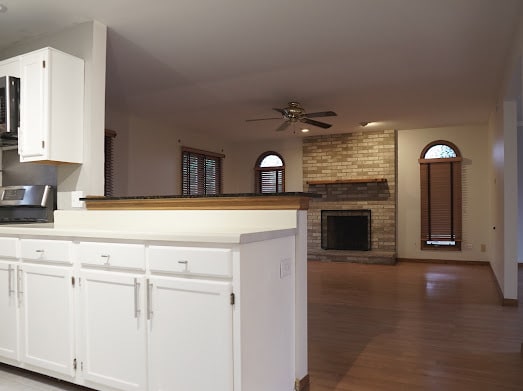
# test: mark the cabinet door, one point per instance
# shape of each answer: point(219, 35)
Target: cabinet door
point(46, 294)
point(113, 329)
point(190, 334)
point(33, 105)
point(8, 309)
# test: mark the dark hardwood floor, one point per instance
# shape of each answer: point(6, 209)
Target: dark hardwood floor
point(413, 326)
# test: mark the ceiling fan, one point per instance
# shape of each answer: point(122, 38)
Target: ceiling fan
point(294, 113)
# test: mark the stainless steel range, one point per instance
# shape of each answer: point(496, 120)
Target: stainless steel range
point(27, 204)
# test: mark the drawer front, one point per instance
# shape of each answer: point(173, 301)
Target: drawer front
point(112, 255)
point(191, 260)
point(8, 247)
point(42, 250)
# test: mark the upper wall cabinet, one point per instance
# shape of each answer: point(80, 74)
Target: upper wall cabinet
point(51, 107)
point(10, 67)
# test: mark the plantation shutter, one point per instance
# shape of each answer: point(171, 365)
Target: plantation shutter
point(270, 181)
point(201, 172)
point(441, 199)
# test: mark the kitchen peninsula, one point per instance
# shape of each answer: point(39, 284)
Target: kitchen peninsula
point(155, 293)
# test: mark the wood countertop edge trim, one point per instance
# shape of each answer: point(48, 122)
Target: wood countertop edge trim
point(223, 203)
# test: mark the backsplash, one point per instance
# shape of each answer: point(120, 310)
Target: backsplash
point(368, 158)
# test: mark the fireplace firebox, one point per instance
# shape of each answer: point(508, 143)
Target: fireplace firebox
point(346, 229)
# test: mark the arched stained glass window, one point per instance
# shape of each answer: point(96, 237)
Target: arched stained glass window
point(440, 151)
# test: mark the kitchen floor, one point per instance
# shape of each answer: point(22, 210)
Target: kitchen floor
point(13, 379)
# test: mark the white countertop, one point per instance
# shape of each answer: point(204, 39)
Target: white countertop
point(228, 236)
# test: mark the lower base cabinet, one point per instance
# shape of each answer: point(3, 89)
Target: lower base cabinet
point(113, 329)
point(8, 310)
point(190, 334)
point(47, 317)
point(180, 330)
point(130, 317)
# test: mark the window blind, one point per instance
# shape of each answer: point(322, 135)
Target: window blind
point(441, 201)
point(201, 172)
point(270, 180)
point(109, 162)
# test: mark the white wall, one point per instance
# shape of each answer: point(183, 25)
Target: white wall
point(148, 159)
point(472, 143)
point(503, 177)
point(148, 155)
point(87, 41)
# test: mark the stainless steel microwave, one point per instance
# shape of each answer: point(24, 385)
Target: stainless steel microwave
point(9, 106)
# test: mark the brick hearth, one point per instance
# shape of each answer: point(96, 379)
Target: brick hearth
point(366, 156)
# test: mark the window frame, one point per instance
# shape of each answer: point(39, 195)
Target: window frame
point(203, 177)
point(435, 201)
point(279, 172)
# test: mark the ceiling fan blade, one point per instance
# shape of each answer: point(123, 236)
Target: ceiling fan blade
point(283, 126)
point(281, 111)
point(261, 119)
point(315, 123)
point(321, 114)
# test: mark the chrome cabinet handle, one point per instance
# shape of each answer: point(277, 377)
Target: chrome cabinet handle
point(107, 257)
point(10, 289)
point(136, 298)
point(184, 262)
point(39, 251)
point(149, 300)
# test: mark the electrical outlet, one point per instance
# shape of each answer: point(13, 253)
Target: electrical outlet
point(75, 199)
point(285, 268)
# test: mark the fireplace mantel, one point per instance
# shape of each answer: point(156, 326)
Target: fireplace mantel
point(341, 181)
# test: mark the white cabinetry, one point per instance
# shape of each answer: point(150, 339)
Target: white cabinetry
point(190, 320)
point(10, 67)
point(8, 300)
point(45, 292)
point(113, 328)
point(47, 323)
point(113, 315)
point(51, 107)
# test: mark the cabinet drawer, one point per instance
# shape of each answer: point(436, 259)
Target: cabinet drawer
point(191, 260)
point(8, 247)
point(113, 255)
point(45, 250)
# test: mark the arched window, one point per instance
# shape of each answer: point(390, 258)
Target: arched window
point(270, 173)
point(440, 179)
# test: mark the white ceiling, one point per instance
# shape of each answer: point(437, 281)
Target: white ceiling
point(208, 65)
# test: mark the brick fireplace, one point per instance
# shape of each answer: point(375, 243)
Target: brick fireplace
point(352, 172)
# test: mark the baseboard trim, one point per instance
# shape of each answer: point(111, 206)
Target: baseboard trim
point(303, 384)
point(504, 301)
point(444, 261)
